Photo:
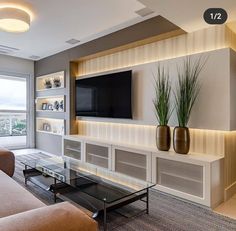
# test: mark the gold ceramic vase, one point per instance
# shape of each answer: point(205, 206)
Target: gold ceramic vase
point(163, 137)
point(181, 140)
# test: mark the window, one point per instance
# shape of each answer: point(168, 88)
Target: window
point(13, 111)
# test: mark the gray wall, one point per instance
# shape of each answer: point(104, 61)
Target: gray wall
point(61, 61)
point(48, 142)
point(16, 65)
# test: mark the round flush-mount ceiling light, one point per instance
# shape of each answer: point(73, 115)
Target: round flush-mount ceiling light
point(14, 19)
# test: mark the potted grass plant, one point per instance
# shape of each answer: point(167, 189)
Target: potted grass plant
point(162, 108)
point(186, 93)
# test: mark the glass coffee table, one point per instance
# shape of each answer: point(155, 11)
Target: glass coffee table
point(87, 186)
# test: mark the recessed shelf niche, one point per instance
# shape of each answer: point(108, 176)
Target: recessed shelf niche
point(51, 103)
point(54, 80)
point(50, 126)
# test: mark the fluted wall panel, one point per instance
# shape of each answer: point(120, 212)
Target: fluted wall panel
point(202, 141)
point(212, 38)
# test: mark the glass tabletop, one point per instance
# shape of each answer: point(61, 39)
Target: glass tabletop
point(90, 180)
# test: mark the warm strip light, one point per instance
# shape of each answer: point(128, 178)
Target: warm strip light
point(14, 20)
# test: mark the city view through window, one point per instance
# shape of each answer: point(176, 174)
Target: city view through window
point(12, 124)
point(13, 121)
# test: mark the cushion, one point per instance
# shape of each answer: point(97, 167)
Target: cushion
point(7, 161)
point(14, 198)
point(60, 217)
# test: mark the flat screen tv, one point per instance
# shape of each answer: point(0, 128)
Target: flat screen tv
point(105, 96)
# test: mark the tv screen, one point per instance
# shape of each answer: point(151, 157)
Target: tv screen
point(105, 96)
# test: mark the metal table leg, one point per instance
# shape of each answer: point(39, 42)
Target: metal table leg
point(147, 202)
point(105, 216)
point(55, 196)
point(25, 176)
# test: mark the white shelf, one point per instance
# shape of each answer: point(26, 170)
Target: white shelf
point(94, 155)
point(53, 88)
point(194, 158)
point(73, 149)
point(41, 80)
point(182, 177)
point(132, 165)
point(50, 111)
point(51, 133)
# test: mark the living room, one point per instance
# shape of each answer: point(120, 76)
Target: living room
point(117, 115)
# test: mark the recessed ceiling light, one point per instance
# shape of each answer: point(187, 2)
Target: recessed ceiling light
point(144, 12)
point(34, 57)
point(72, 41)
point(14, 20)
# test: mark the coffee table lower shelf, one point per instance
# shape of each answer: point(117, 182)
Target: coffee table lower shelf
point(90, 205)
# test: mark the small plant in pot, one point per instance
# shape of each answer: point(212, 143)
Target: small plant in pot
point(47, 83)
point(187, 90)
point(162, 108)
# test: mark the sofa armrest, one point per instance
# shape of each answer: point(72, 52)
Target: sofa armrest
point(60, 217)
point(7, 161)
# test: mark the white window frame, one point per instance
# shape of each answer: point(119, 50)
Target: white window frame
point(30, 137)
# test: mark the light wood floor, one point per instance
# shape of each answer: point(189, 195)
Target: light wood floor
point(228, 208)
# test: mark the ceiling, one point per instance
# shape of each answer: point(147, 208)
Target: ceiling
point(56, 21)
point(188, 14)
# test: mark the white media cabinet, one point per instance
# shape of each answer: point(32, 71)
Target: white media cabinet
point(194, 177)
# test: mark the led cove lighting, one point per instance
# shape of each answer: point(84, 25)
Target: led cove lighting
point(14, 20)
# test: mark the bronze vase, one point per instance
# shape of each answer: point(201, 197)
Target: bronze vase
point(163, 137)
point(181, 140)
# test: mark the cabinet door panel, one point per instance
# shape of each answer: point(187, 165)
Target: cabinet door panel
point(97, 155)
point(72, 149)
point(180, 176)
point(131, 163)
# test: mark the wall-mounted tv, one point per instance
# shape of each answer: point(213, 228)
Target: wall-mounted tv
point(105, 95)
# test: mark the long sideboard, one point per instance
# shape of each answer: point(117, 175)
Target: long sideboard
point(194, 177)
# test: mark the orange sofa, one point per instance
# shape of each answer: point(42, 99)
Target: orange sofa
point(21, 211)
point(7, 161)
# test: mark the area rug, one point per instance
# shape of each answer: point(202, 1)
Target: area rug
point(166, 212)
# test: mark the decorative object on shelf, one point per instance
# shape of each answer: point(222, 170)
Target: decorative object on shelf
point(47, 83)
point(50, 107)
point(62, 130)
point(61, 105)
point(46, 127)
point(49, 125)
point(162, 108)
point(56, 106)
point(56, 82)
point(187, 90)
point(44, 106)
point(50, 104)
